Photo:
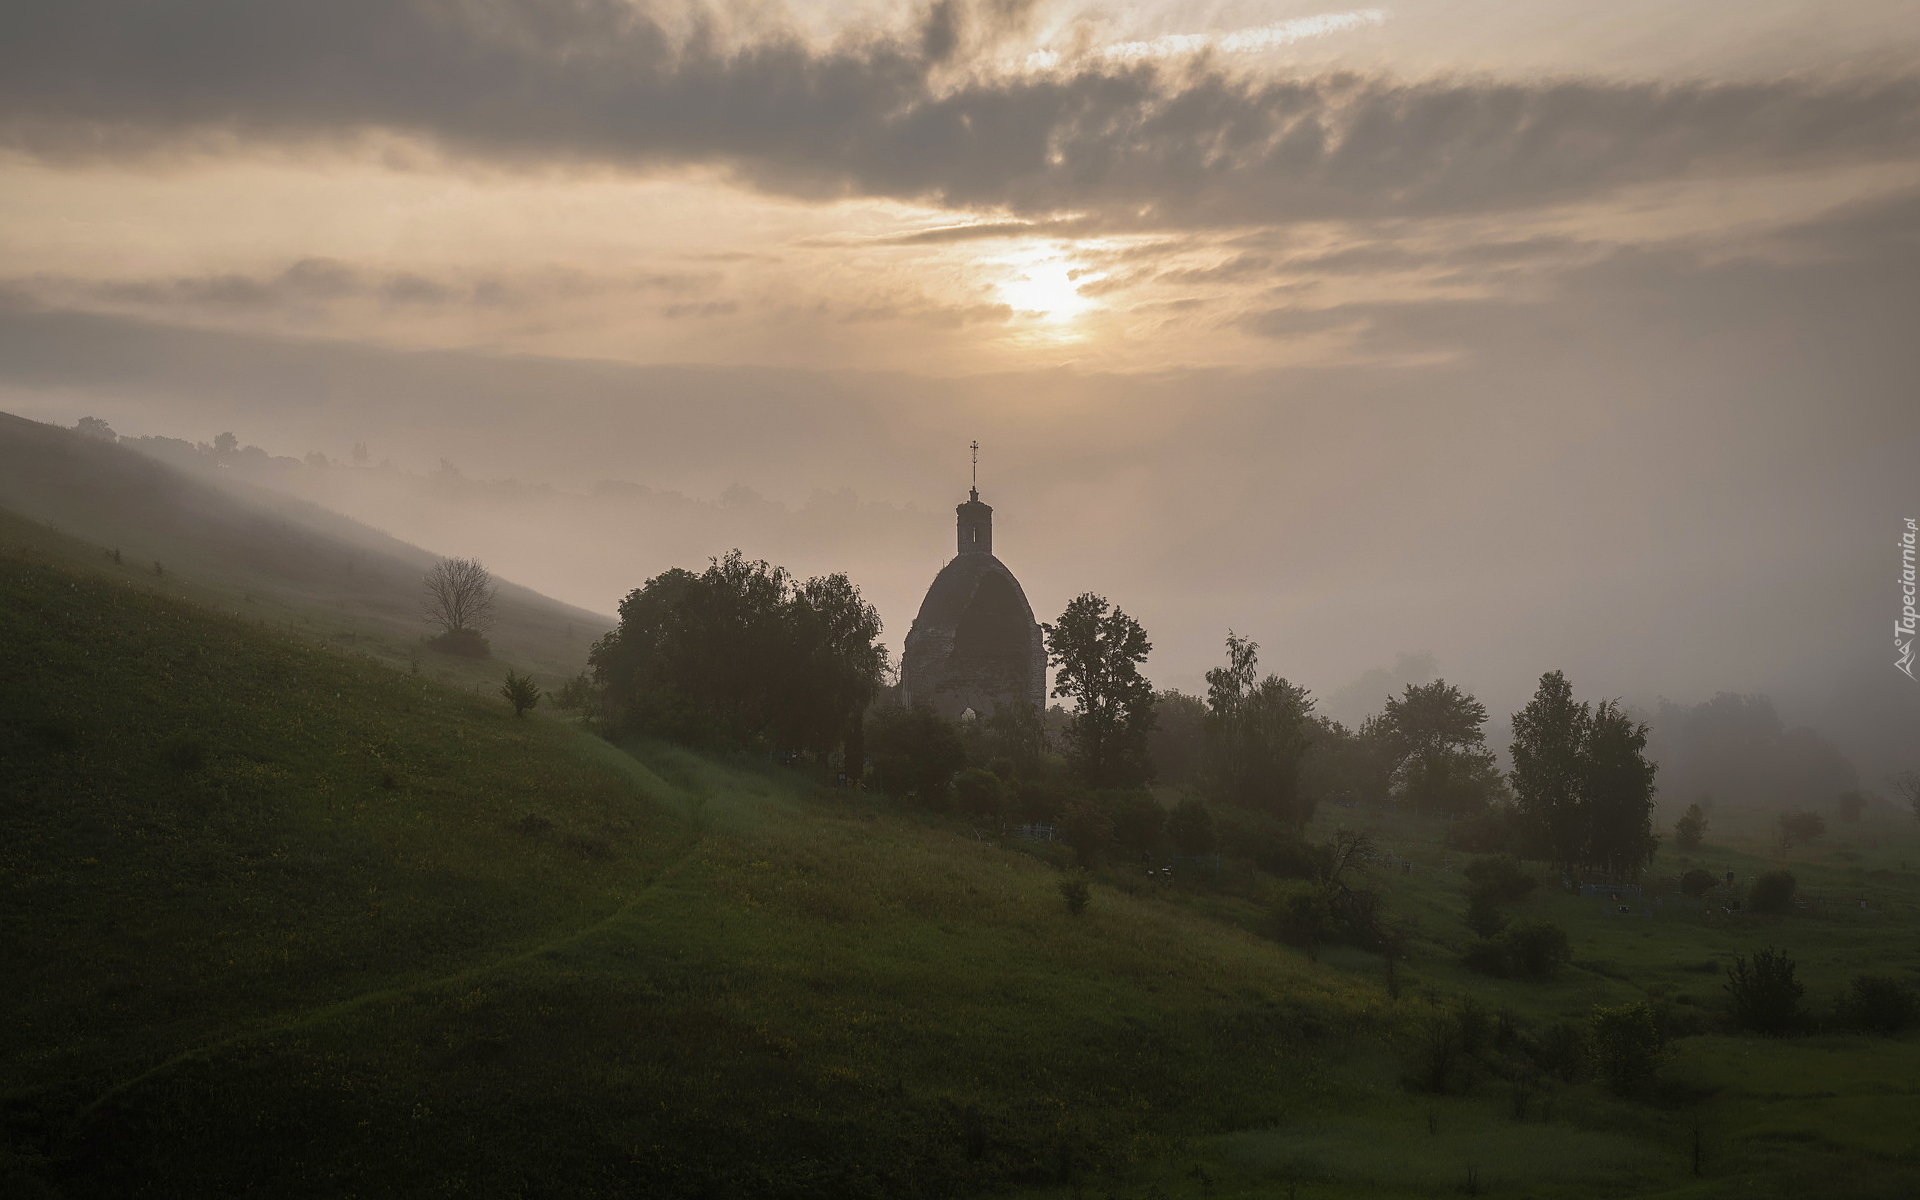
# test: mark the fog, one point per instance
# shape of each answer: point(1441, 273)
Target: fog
point(1471, 358)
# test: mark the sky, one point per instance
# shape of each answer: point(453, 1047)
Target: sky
point(1497, 337)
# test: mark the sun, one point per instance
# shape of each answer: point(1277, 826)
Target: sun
point(1046, 284)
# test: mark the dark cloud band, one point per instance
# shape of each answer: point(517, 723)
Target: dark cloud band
point(599, 81)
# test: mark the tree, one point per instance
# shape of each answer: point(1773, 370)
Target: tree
point(1907, 785)
point(1258, 732)
point(1618, 793)
point(520, 691)
point(1442, 764)
point(916, 752)
point(1549, 743)
point(1178, 740)
point(94, 427)
point(1691, 829)
point(578, 695)
point(460, 595)
point(1850, 805)
point(1584, 783)
point(1798, 828)
point(1097, 654)
point(742, 654)
point(1017, 733)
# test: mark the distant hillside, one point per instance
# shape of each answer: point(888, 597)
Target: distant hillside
point(267, 555)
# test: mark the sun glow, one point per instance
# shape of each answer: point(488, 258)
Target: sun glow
point(1048, 286)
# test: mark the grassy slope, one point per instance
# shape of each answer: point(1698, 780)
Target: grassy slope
point(277, 931)
point(320, 957)
point(270, 557)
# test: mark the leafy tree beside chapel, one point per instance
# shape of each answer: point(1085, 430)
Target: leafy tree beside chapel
point(1096, 651)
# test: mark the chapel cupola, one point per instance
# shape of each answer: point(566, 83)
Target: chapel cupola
point(974, 522)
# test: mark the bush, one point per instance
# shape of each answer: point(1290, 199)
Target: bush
point(1483, 915)
point(980, 793)
point(465, 643)
point(521, 692)
point(1528, 949)
point(1799, 828)
point(1690, 830)
point(915, 752)
point(1772, 892)
point(1076, 893)
point(1765, 995)
point(1697, 883)
point(1488, 958)
point(1304, 919)
point(1495, 831)
point(1537, 949)
point(1088, 829)
point(1139, 824)
point(1270, 844)
point(1627, 1047)
point(1191, 828)
point(1501, 878)
point(1878, 1004)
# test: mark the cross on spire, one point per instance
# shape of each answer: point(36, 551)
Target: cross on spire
point(975, 490)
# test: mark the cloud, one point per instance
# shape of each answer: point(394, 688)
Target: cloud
point(1258, 40)
point(311, 283)
point(599, 82)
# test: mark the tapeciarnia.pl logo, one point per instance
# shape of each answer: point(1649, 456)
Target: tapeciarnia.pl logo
point(1903, 628)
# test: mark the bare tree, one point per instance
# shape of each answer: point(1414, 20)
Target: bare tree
point(459, 595)
point(1907, 783)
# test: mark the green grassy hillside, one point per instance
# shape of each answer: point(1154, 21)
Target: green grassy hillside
point(288, 922)
point(283, 920)
point(268, 557)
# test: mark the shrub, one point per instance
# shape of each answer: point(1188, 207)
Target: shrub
point(1483, 916)
point(1772, 892)
point(1488, 958)
point(1627, 1046)
point(1799, 828)
point(1537, 949)
point(1878, 1004)
point(980, 793)
point(1076, 893)
point(1501, 877)
point(464, 643)
point(1191, 828)
point(1303, 918)
point(1272, 846)
point(1697, 883)
point(1495, 831)
point(520, 691)
point(1765, 995)
point(1690, 830)
point(1139, 824)
point(1562, 1051)
point(915, 752)
point(1088, 829)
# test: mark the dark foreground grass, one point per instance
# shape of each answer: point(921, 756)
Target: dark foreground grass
point(281, 922)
